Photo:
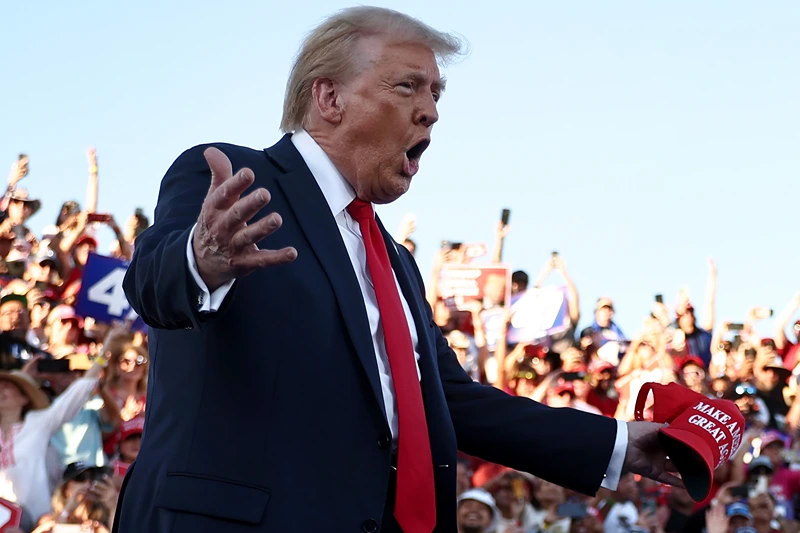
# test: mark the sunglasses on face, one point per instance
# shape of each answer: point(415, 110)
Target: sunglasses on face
point(93, 474)
point(139, 361)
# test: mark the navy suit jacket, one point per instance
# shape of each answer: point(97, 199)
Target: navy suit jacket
point(267, 416)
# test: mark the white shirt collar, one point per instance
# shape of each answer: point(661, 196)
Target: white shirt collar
point(337, 192)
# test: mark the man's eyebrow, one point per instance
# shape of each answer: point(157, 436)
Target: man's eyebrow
point(437, 85)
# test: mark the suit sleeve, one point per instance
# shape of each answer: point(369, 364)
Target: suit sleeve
point(159, 284)
point(564, 446)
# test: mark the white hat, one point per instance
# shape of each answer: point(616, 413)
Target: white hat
point(483, 496)
point(50, 231)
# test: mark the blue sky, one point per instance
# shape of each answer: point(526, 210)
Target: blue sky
point(636, 138)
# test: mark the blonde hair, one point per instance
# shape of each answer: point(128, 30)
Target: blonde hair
point(329, 51)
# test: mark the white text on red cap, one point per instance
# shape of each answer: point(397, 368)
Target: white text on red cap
point(714, 428)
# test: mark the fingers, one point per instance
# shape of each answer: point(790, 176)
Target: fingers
point(252, 234)
point(265, 258)
point(670, 479)
point(243, 210)
point(220, 166)
point(229, 192)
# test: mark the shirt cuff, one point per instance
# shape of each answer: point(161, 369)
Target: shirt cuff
point(207, 302)
point(614, 470)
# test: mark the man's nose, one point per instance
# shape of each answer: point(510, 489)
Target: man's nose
point(429, 115)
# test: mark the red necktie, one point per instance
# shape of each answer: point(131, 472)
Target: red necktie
point(415, 501)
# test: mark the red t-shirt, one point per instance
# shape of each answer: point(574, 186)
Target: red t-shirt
point(785, 484)
point(789, 354)
point(606, 405)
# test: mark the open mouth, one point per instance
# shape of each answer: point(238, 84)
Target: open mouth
point(413, 155)
point(415, 152)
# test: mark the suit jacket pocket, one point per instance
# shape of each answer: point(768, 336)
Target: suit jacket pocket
point(214, 497)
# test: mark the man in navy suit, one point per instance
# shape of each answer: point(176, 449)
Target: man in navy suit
point(298, 382)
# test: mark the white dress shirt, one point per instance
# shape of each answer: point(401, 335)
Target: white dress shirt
point(338, 193)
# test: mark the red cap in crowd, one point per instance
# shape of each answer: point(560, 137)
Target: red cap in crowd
point(600, 366)
point(64, 313)
point(692, 360)
point(132, 427)
point(86, 239)
point(562, 387)
point(702, 434)
point(771, 438)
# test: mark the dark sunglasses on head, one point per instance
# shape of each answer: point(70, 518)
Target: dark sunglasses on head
point(92, 474)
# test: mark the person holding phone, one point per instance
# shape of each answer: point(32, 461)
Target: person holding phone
point(27, 423)
point(20, 208)
point(83, 501)
point(560, 342)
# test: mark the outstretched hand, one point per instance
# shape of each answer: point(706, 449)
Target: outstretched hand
point(646, 456)
point(224, 243)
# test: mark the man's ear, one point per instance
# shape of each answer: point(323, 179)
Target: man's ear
point(328, 100)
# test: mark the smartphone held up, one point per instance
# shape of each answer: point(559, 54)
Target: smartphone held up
point(99, 217)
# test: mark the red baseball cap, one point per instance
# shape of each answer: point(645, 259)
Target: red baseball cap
point(771, 438)
point(692, 360)
point(563, 387)
point(134, 426)
point(86, 239)
point(702, 434)
point(600, 366)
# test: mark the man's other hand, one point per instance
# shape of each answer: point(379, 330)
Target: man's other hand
point(646, 457)
point(224, 244)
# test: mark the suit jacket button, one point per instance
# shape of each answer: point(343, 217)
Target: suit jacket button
point(369, 526)
point(384, 441)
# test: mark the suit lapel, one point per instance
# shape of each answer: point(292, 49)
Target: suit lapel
point(317, 223)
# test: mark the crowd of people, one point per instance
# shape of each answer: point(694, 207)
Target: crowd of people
point(596, 367)
point(73, 390)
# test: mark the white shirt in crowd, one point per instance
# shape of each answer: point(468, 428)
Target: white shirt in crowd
point(25, 478)
point(621, 518)
point(338, 193)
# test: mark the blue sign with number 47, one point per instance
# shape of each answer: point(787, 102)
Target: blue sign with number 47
point(102, 296)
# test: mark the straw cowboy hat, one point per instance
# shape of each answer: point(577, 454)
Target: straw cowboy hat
point(20, 194)
point(28, 386)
